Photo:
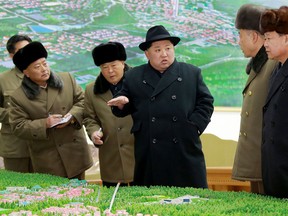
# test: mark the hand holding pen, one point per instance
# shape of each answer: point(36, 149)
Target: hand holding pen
point(58, 121)
point(97, 136)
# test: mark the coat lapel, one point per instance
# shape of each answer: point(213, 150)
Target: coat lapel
point(159, 84)
point(280, 77)
point(150, 77)
point(250, 79)
point(106, 96)
point(52, 94)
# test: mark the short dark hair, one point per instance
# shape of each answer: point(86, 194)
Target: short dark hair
point(10, 45)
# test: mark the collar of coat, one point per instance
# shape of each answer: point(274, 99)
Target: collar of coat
point(102, 85)
point(32, 90)
point(256, 63)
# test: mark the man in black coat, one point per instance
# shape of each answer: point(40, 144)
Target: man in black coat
point(274, 25)
point(170, 106)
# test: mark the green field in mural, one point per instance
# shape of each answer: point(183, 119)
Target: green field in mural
point(71, 29)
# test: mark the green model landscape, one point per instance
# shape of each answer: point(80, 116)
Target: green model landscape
point(35, 194)
point(71, 29)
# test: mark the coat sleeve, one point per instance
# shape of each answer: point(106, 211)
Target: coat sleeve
point(22, 125)
point(204, 108)
point(78, 103)
point(91, 120)
point(3, 111)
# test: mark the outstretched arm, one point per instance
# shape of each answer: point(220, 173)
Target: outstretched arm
point(118, 101)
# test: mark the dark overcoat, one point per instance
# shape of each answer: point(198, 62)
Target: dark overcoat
point(169, 114)
point(275, 136)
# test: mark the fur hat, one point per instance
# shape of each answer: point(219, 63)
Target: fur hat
point(248, 17)
point(157, 33)
point(107, 52)
point(28, 54)
point(275, 20)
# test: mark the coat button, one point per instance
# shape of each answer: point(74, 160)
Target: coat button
point(144, 81)
point(247, 113)
point(179, 79)
point(153, 119)
point(250, 93)
point(175, 140)
point(271, 140)
point(245, 134)
point(152, 99)
point(119, 128)
point(154, 141)
point(173, 97)
point(244, 94)
point(174, 118)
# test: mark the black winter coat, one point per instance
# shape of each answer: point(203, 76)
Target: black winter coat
point(169, 114)
point(275, 136)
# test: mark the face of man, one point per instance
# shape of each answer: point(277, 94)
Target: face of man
point(247, 40)
point(113, 71)
point(161, 54)
point(38, 71)
point(18, 46)
point(276, 46)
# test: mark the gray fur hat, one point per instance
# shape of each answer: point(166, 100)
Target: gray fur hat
point(248, 17)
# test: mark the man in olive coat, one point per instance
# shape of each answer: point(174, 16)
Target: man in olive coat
point(247, 163)
point(115, 142)
point(13, 149)
point(47, 110)
point(170, 106)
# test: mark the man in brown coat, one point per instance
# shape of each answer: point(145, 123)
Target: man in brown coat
point(115, 142)
point(47, 110)
point(14, 150)
point(247, 163)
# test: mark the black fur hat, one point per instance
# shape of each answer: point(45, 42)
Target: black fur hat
point(275, 20)
point(107, 52)
point(248, 17)
point(28, 54)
